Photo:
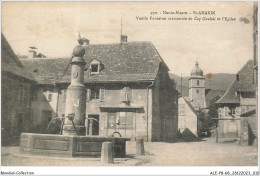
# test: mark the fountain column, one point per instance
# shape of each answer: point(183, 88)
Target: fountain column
point(76, 95)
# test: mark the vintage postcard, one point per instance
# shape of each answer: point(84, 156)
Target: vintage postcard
point(129, 84)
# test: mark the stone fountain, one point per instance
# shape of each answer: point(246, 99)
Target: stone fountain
point(73, 142)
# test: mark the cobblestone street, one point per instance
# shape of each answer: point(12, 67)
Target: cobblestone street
point(204, 153)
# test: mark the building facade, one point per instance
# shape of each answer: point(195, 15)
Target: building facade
point(238, 99)
point(197, 88)
point(16, 86)
point(188, 116)
point(129, 92)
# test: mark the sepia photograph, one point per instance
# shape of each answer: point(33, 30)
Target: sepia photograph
point(119, 83)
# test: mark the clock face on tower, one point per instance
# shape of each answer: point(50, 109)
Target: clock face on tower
point(75, 74)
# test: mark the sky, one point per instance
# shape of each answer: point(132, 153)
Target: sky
point(219, 46)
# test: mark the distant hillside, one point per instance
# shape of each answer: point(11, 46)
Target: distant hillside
point(218, 81)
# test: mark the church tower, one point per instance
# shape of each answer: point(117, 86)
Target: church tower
point(197, 88)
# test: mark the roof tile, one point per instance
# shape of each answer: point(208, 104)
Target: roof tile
point(133, 61)
point(244, 82)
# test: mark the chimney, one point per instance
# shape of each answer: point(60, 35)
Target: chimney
point(123, 39)
point(32, 52)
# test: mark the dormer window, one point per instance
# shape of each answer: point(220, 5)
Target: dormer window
point(95, 66)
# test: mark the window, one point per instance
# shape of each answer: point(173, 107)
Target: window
point(64, 95)
point(125, 120)
point(233, 111)
point(126, 94)
point(94, 94)
point(111, 122)
point(48, 93)
point(226, 111)
point(93, 124)
point(21, 98)
point(120, 120)
point(182, 109)
point(219, 113)
point(94, 68)
point(87, 94)
point(102, 94)
point(198, 82)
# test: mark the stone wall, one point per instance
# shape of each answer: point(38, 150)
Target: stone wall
point(248, 130)
point(16, 108)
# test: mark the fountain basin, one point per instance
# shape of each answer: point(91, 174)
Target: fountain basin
point(69, 146)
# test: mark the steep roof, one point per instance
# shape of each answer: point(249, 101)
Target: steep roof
point(133, 61)
point(249, 113)
point(243, 82)
point(10, 62)
point(213, 94)
point(210, 95)
point(190, 106)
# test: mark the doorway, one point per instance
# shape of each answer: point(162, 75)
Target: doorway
point(93, 124)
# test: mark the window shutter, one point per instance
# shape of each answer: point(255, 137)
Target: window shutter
point(122, 96)
point(102, 94)
point(129, 93)
point(88, 95)
point(64, 95)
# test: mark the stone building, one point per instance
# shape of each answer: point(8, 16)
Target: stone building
point(128, 91)
point(16, 86)
point(239, 100)
point(188, 116)
point(197, 88)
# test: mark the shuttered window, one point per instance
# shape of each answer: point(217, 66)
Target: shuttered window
point(88, 95)
point(64, 96)
point(102, 94)
point(126, 94)
point(182, 110)
point(125, 120)
point(94, 94)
